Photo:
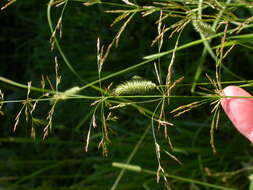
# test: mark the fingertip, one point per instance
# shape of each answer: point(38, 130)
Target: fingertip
point(235, 91)
point(239, 109)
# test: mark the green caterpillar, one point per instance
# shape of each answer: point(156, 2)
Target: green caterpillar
point(203, 28)
point(134, 87)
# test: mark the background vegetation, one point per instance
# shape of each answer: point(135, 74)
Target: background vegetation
point(60, 160)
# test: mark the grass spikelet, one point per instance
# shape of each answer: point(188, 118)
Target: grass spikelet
point(121, 17)
point(128, 2)
point(188, 107)
point(50, 121)
point(214, 4)
point(27, 107)
point(8, 4)
point(203, 28)
point(135, 87)
point(92, 2)
point(1, 102)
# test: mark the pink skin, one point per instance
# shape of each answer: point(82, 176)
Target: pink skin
point(239, 110)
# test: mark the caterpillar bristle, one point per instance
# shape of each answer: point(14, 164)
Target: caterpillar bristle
point(203, 28)
point(134, 87)
point(67, 93)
